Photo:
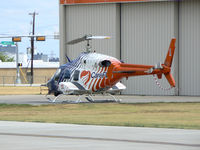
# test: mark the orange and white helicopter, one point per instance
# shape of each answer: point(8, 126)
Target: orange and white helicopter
point(93, 73)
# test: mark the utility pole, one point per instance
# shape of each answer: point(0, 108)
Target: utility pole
point(32, 44)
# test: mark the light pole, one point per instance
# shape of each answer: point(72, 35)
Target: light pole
point(18, 80)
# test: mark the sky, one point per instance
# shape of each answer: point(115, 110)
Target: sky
point(15, 20)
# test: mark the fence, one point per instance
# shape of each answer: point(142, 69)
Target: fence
point(12, 80)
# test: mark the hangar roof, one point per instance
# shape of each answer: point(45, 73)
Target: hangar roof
point(68, 2)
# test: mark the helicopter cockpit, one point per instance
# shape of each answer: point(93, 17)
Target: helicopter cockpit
point(66, 75)
point(57, 74)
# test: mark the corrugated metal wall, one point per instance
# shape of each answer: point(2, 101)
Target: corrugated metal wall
point(101, 19)
point(189, 32)
point(146, 31)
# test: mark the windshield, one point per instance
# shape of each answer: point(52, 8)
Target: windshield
point(57, 74)
point(67, 74)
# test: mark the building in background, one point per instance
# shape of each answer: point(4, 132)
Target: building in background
point(141, 32)
point(41, 56)
point(54, 59)
point(7, 47)
point(43, 71)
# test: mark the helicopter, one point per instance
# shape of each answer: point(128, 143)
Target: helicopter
point(94, 73)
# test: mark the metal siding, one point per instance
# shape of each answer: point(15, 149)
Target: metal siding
point(147, 29)
point(189, 32)
point(62, 26)
point(99, 19)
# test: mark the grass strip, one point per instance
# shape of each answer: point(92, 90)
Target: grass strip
point(161, 115)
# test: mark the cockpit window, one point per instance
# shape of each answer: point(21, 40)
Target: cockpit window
point(76, 75)
point(57, 74)
point(67, 74)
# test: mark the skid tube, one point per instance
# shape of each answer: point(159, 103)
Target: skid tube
point(88, 97)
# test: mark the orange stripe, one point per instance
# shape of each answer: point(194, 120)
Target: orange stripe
point(96, 80)
point(90, 83)
point(102, 83)
point(99, 1)
point(97, 87)
point(94, 85)
point(104, 78)
point(107, 82)
point(109, 75)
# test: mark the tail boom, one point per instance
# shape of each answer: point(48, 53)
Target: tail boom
point(127, 70)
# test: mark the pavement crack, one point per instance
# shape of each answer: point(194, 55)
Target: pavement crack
point(100, 139)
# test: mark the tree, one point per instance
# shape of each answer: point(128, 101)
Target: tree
point(5, 58)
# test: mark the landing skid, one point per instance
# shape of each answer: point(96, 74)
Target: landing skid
point(89, 98)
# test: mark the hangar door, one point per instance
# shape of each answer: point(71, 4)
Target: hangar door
point(100, 19)
point(146, 31)
point(189, 32)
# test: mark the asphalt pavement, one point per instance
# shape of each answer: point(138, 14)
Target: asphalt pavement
point(51, 136)
point(41, 99)
point(36, 136)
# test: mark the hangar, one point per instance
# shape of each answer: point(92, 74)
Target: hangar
point(141, 31)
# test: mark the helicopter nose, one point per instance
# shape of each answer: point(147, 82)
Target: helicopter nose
point(49, 86)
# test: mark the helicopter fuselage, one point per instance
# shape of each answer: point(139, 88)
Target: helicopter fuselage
point(90, 73)
point(98, 73)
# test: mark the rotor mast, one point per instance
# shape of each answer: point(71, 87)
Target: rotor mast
point(88, 46)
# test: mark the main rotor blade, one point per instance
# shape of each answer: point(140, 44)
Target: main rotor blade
point(77, 40)
point(97, 37)
point(87, 37)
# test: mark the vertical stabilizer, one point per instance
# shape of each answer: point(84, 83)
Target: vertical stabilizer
point(170, 54)
point(168, 62)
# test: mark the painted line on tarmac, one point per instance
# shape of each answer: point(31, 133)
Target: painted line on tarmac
point(101, 139)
